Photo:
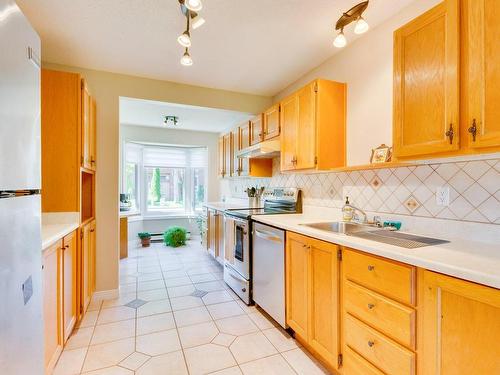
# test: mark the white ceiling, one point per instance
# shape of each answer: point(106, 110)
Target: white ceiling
point(151, 113)
point(254, 46)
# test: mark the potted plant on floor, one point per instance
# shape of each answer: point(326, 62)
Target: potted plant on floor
point(145, 239)
point(175, 236)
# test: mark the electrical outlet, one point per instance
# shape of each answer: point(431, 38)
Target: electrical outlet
point(443, 196)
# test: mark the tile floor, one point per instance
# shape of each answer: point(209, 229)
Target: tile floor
point(175, 315)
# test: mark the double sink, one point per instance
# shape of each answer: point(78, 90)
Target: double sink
point(376, 233)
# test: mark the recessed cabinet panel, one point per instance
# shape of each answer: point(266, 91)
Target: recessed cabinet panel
point(426, 83)
point(289, 121)
point(272, 122)
point(256, 130)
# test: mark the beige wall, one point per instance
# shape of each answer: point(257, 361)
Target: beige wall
point(366, 66)
point(107, 88)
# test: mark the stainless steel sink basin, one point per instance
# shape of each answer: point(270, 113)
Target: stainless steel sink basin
point(342, 227)
point(374, 233)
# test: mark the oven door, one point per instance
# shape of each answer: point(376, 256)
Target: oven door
point(238, 249)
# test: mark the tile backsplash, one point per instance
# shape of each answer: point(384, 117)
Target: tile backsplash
point(474, 189)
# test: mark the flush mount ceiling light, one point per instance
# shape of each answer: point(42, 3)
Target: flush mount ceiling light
point(189, 9)
point(355, 14)
point(171, 119)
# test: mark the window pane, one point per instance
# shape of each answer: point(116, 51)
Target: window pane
point(131, 179)
point(165, 188)
point(198, 188)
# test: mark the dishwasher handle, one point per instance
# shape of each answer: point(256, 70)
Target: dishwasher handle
point(267, 236)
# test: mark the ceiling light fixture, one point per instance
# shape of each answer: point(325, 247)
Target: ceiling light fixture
point(189, 9)
point(186, 59)
point(194, 5)
point(173, 119)
point(353, 14)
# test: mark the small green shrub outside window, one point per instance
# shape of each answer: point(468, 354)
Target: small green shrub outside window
point(175, 236)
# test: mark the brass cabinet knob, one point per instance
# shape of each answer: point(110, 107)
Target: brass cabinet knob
point(450, 134)
point(473, 130)
point(371, 306)
point(371, 268)
point(370, 343)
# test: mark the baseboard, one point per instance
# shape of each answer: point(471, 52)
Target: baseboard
point(106, 294)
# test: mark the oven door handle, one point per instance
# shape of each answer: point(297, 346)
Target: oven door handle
point(267, 236)
point(231, 273)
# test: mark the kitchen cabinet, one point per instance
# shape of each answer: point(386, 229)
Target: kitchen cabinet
point(226, 155)
point(215, 234)
point(312, 295)
point(123, 237)
point(221, 157)
point(88, 128)
point(69, 273)
point(459, 326)
point(271, 121)
point(481, 74)
point(52, 302)
point(243, 142)
point(256, 129)
point(426, 106)
point(312, 123)
point(86, 264)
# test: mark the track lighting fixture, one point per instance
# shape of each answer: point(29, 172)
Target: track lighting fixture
point(189, 9)
point(353, 14)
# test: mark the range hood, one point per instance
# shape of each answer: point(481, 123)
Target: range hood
point(266, 149)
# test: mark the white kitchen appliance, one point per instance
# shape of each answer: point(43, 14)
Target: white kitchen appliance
point(21, 320)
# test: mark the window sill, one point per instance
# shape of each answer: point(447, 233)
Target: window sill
point(169, 216)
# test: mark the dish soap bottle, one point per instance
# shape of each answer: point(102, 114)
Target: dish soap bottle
point(347, 211)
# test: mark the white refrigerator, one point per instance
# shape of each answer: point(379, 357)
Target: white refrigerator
point(21, 318)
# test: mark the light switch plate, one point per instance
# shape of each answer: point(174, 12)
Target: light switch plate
point(443, 196)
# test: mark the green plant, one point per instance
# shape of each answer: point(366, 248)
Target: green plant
point(175, 236)
point(144, 235)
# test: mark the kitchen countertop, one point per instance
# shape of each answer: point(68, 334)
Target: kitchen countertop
point(57, 225)
point(469, 260)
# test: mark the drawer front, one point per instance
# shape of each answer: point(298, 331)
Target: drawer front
point(392, 318)
point(378, 349)
point(354, 364)
point(392, 279)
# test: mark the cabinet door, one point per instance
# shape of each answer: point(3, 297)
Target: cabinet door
point(272, 122)
point(85, 262)
point(236, 162)
point(69, 283)
point(228, 155)
point(426, 84)
point(86, 119)
point(219, 254)
point(212, 232)
point(306, 129)
point(92, 134)
point(244, 143)
point(324, 301)
point(297, 284)
point(51, 304)
point(460, 327)
point(222, 159)
point(289, 124)
point(482, 71)
point(92, 258)
point(256, 130)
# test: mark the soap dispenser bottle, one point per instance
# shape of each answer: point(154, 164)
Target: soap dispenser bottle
point(347, 211)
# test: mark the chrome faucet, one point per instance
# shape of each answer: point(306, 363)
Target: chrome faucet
point(355, 216)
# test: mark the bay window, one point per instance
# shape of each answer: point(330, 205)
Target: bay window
point(172, 178)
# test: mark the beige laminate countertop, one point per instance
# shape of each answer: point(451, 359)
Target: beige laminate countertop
point(469, 260)
point(57, 225)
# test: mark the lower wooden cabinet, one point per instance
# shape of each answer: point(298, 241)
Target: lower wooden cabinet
point(459, 327)
point(312, 295)
point(69, 300)
point(52, 303)
point(215, 234)
point(87, 264)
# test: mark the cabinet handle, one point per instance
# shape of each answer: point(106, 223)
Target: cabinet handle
point(92, 230)
point(370, 343)
point(371, 306)
point(450, 133)
point(473, 130)
point(371, 268)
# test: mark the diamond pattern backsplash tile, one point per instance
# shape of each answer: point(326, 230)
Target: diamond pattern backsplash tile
point(474, 189)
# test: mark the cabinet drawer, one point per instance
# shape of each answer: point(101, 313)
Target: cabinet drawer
point(395, 280)
point(392, 318)
point(378, 349)
point(354, 364)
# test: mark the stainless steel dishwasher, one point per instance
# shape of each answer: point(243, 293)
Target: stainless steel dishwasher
point(268, 270)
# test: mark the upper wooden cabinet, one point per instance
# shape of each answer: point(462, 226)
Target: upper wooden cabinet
point(256, 129)
point(271, 121)
point(426, 83)
point(312, 295)
point(447, 81)
point(221, 157)
point(313, 127)
point(243, 142)
point(459, 327)
point(481, 73)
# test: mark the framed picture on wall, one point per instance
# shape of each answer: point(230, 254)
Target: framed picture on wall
point(381, 154)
